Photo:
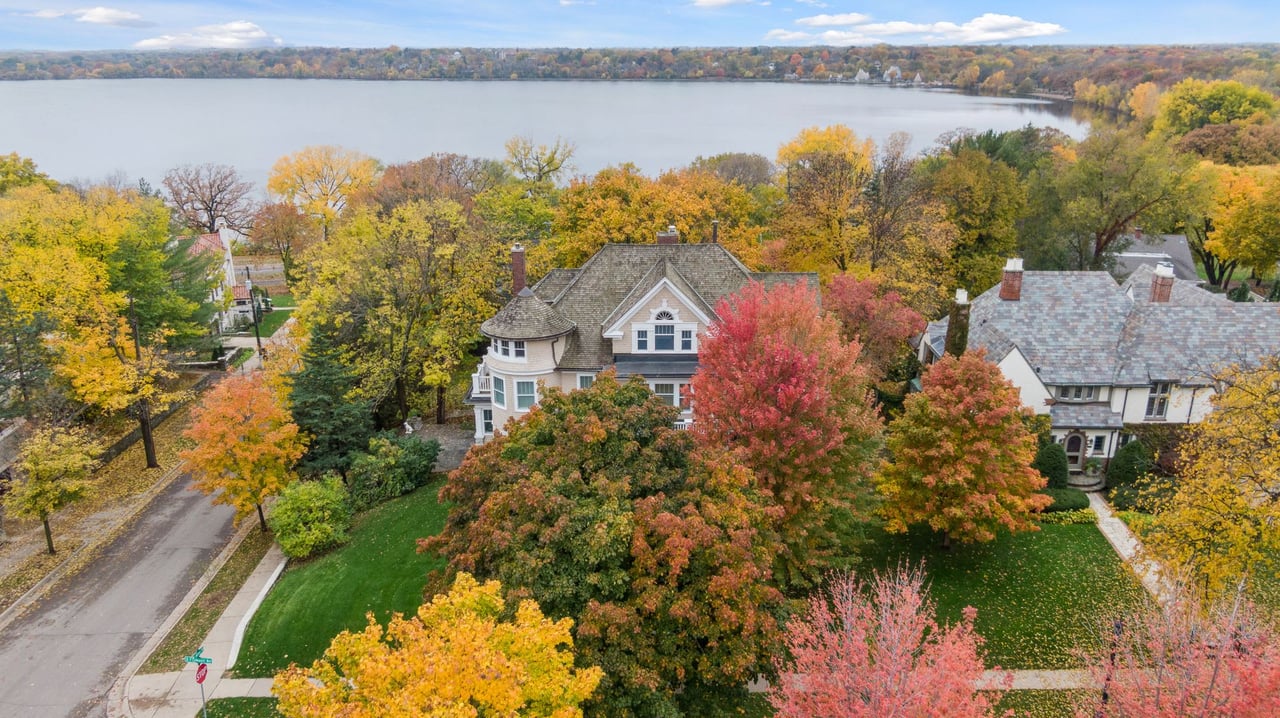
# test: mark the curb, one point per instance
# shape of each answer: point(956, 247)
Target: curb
point(117, 695)
point(95, 543)
point(238, 639)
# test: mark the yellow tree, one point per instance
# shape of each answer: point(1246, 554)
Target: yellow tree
point(245, 444)
point(53, 472)
point(1246, 219)
point(457, 657)
point(1222, 519)
point(320, 178)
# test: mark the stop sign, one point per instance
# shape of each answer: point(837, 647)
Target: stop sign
point(201, 671)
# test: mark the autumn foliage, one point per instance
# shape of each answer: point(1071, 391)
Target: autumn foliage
point(245, 444)
point(455, 658)
point(875, 317)
point(595, 507)
point(779, 385)
point(868, 651)
point(962, 455)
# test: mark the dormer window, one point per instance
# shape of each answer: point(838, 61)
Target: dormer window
point(664, 332)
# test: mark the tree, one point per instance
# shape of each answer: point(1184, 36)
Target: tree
point(245, 445)
point(282, 229)
point(593, 505)
point(210, 196)
point(19, 171)
point(1192, 104)
point(337, 425)
point(876, 318)
point(456, 657)
point(319, 179)
point(1111, 182)
point(1219, 520)
point(984, 199)
point(779, 385)
point(439, 176)
point(539, 165)
point(748, 170)
point(875, 650)
point(1246, 220)
point(53, 472)
point(1209, 660)
point(26, 360)
point(1051, 462)
point(961, 455)
point(311, 516)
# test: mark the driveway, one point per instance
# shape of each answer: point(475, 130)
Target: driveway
point(63, 655)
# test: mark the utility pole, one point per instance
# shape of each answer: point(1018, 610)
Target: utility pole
point(253, 310)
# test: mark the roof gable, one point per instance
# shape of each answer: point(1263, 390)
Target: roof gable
point(662, 276)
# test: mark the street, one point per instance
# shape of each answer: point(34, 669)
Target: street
point(62, 656)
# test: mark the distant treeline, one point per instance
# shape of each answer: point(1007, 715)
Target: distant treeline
point(990, 69)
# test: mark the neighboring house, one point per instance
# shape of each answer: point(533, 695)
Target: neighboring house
point(1169, 249)
point(1097, 356)
point(638, 308)
point(219, 246)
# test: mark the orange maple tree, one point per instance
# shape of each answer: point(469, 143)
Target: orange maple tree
point(245, 444)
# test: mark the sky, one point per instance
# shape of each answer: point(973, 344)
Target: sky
point(189, 24)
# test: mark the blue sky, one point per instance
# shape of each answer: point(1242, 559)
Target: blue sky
point(153, 24)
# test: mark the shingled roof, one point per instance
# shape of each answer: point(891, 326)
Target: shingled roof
point(526, 317)
point(1083, 328)
point(606, 285)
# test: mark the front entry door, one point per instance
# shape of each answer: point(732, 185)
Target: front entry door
point(1075, 452)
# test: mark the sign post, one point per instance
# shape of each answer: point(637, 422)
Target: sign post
point(202, 671)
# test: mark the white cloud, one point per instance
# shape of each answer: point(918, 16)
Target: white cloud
point(227, 36)
point(720, 3)
point(97, 16)
point(988, 27)
point(814, 3)
point(848, 18)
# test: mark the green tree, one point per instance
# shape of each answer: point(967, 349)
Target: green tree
point(1051, 462)
point(19, 171)
point(53, 472)
point(961, 455)
point(984, 198)
point(338, 426)
point(595, 507)
point(1192, 104)
point(311, 516)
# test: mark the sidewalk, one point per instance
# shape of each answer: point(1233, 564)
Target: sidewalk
point(1130, 550)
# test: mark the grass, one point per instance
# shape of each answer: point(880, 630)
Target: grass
point(379, 571)
point(1041, 596)
point(1040, 704)
point(283, 300)
point(187, 635)
point(239, 357)
point(241, 708)
point(271, 321)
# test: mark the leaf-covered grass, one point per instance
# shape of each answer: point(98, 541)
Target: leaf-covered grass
point(1040, 596)
point(1040, 704)
point(186, 637)
point(379, 571)
point(241, 708)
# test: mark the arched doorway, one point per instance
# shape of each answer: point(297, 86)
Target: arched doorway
point(1075, 452)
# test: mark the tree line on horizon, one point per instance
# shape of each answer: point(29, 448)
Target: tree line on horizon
point(992, 69)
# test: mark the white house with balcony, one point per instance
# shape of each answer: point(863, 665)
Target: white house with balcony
point(637, 308)
point(1097, 356)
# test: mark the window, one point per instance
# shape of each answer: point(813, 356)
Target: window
point(486, 416)
point(1077, 393)
point(500, 392)
point(517, 349)
point(1125, 439)
point(667, 392)
point(1158, 399)
point(686, 340)
point(586, 380)
point(642, 340)
point(1099, 444)
point(526, 394)
point(664, 338)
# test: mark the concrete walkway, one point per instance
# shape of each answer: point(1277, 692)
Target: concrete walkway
point(1130, 550)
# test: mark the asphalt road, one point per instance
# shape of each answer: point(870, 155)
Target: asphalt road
point(62, 656)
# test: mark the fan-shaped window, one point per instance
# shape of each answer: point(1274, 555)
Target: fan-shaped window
point(664, 316)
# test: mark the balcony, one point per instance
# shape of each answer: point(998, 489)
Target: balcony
point(481, 382)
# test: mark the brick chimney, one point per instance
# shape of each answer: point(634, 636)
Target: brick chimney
point(1162, 283)
point(670, 236)
point(957, 339)
point(1011, 285)
point(517, 269)
point(715, 231)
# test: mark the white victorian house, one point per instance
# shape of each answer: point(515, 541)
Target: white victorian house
point(638, 308)
point(1097, 356)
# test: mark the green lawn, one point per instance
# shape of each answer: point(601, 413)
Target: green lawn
point(271, 321)
point(283, 299)
point(1040, 596)
point(379, 571)
point(241, 708)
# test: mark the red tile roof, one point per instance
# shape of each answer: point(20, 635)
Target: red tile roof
point(208, 244)
point(239, 292)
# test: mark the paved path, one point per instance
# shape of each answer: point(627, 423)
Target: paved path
point(62, 655)
point(1130, 550)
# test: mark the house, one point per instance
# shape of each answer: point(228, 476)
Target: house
point(219, 246)
point(1156, 249)
point(1098, 357)
point(638, 308)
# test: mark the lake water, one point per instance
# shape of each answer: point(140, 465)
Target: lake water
point(89, 129)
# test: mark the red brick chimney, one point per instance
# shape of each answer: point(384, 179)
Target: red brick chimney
point(1162, 283)
point(670, 236)
point(1011, 285)
point(517, 269)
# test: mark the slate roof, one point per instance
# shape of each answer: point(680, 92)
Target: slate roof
point(1085, 416)
point(526, 317)
point(1152, 249)
point(591, 294)
point(1083, 328)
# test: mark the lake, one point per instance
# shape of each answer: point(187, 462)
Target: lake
point(89, 129)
